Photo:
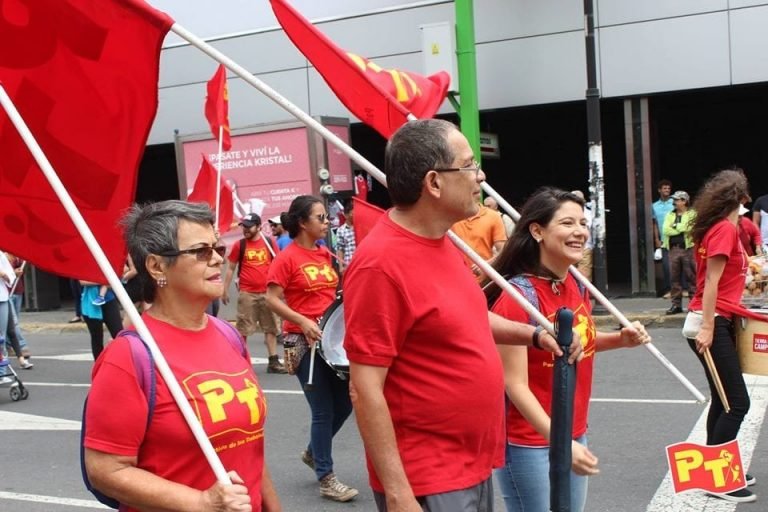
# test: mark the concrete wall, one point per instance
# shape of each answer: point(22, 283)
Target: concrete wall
point(528, 52)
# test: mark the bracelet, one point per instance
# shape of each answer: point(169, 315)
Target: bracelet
point(535, 338)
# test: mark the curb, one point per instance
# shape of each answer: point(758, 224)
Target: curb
point(648, 319)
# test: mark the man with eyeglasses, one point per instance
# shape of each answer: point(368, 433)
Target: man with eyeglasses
point(252, 257)
point(425, 377)
point(484, 232)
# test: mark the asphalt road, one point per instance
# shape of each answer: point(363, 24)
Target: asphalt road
point(638, 408)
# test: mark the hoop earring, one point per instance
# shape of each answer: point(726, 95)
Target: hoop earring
point(162, 282)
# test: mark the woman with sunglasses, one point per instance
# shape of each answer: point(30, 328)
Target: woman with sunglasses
point(153, 462)
point(301, 285)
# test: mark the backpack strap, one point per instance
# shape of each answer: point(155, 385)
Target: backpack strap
point(240, 258)
point(231, 334)
point(529, 292)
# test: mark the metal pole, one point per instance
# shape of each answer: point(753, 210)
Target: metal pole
point(465, 55)
point(596, 180)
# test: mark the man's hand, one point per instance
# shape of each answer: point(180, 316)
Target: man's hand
point(549, 343)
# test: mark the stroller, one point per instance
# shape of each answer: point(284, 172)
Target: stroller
point(9, 376)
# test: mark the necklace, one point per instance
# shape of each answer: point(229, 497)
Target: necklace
point(555, 282)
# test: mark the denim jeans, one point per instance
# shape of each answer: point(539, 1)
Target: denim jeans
point(331, 406)
point(16, 304)
point(724, 426)
point(524, 480)
point(4, 306)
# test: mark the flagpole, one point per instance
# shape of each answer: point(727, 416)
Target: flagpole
point(116, 285)
point(218, 176)
point(381, 178)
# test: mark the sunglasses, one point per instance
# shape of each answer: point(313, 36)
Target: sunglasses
point(321, 217)
point(204, 253)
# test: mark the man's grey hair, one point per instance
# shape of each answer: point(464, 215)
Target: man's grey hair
point(153, 228)
point(413, 150)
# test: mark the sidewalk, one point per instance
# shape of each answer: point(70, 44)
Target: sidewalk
point(648, 311)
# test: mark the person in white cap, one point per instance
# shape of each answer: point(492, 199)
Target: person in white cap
point(282, 237)
point(749, 234)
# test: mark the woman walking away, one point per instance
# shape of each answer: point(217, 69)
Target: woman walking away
point(721, 268)
point(548, 239)
point(301, 284)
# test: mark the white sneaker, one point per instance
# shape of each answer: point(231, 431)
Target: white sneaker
point(6, 380)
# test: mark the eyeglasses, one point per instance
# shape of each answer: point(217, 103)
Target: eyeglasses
point(204, 253)
point(475, 167)
point(321, 217)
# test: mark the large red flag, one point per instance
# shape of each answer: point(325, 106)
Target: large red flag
point(366, 216)
point(204, 191)
point(83, 75)
point(217, 107)
point(381, 98)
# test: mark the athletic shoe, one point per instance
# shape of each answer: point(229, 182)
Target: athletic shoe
point(25, 365)
point(98, 301)
point(6, 380)
point(331, 488)
point(76, 320)
point(308, 459)
point(751, 480)
point(740, 496)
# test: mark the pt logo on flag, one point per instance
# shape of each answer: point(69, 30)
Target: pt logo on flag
point(717, 469)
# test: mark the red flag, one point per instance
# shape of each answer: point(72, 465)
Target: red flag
point(381, 98)
point(366, 216)
point(361, 187)
point(204, 191)
point(717, 468)
point(83, 75)
point(217, 107)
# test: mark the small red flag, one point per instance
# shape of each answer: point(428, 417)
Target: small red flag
point(217, 107)
point(204, 191)
point(366, 216)
point(83, 75)
point(381, 98)
point(717, 468)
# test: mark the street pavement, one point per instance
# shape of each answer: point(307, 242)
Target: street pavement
point(638, 408)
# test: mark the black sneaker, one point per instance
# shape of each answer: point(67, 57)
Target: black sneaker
point(751, 480)
point(740, 496)
point(674, 310)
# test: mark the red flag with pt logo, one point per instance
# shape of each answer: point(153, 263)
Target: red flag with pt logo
point(83, 75)
point(717, 469)
point(217, 107)
point(381, 98)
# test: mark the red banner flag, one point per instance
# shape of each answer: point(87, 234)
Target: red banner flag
point(83, 75)
point(716, 469)
point(381, 98)
point(204, 191)
point(217, 107)
point(366, 216)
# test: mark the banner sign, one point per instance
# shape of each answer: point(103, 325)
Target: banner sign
point(716, 469)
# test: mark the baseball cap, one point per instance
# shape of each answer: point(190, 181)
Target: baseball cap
point(743, 210)
point(275, 220)
point(252, 219)
point(682, 194)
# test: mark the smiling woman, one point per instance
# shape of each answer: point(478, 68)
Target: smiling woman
point(547, 240)
point(150, 460)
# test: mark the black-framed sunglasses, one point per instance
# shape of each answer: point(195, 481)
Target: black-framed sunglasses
point(204, 253)
point(475, 167)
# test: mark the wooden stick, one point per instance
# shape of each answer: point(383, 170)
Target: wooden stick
point(716, 377)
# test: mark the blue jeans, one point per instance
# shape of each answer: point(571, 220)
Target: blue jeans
point(4, 306)
point(16, 304)
point(331, 406)
point(524, 480)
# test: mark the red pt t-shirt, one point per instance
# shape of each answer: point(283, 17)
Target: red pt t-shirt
point(722, 239)
point(541, 363)
point(308, 280)
point(222, 389)
point(255, 265)
point(411, 306)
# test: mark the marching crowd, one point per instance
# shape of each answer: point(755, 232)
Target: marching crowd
point(450, 379)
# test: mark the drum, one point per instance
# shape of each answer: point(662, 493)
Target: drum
point(331, 344)
point(752, 344)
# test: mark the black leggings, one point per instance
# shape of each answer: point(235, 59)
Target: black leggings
point(111, 316)
point(724, 426)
